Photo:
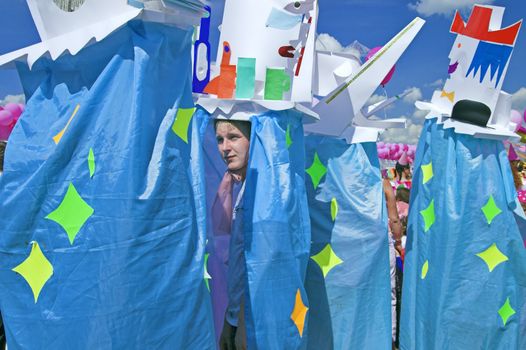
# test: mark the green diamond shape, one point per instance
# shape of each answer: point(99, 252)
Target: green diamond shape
point(429, 216)
point(316, 171)
point(506, 311)
point(492, 257)
point(72, 213)
point(288, 138)
point(207, 275)
point(491, 210)
point(91, 162)
point(327, 259)
point(427, 171)
point(36, 270)
point(182, 122)
point(334, 209)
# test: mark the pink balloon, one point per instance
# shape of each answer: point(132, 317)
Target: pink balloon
point(410, 153)
point(405, 147)
point(14, 108)
point(516, 116)
point(391, 72)
point(396, 147)
point(380, 144)
point(6, 118)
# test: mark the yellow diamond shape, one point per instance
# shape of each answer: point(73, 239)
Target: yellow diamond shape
point(334, 209)
point(299, 313)
point(72, 213)
point(506, 311)
point(327, 259)
point(58, 136)
point(316, 171)
point(427, 171)
point(36, 270)
point(425, 269)
point(492, 257)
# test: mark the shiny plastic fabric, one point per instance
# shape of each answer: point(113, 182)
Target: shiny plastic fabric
point(275, 223)
point(460, 292)
point(350, 307)
point(132, 276)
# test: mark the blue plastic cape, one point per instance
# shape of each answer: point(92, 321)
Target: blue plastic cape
point(348, 281)
point(465, 268)
point(276, 224)
point(100, 190)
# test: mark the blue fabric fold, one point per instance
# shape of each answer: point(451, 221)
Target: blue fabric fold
point(133, 276)
point(350, 307)
point(453, 291)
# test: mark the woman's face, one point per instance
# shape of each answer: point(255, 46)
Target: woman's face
point(233, 146)
point(407, 173)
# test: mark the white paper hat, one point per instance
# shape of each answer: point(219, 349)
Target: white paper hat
point(265, 53)
point(70, 25)
point(479, 60)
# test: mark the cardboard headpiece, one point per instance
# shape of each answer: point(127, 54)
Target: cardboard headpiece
point(70, 25)
point(344, 85)
point(471, 100)
point(265, 55)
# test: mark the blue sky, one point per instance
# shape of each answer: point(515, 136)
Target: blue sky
point(371, 22)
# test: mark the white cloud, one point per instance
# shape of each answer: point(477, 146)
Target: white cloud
point(408, 135)
point(518, 99)
point(375, 99)
point(413, 94)
point(326, 42)
point(13, 99)
point(444, 7)
point(419, 115)
point(436, 83)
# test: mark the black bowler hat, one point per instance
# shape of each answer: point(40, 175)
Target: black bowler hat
point(472, 112)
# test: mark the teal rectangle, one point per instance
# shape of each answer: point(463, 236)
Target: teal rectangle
point(246, 77)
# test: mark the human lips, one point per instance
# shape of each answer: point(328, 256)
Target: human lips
point(286, 51)
point(452, 68)
point(230, 158)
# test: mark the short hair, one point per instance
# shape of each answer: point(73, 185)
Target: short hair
point(242, 125)
point(402, 194)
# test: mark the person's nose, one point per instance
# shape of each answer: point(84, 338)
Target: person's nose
point(226, 146)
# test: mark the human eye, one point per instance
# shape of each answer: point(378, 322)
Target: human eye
point(299, 7)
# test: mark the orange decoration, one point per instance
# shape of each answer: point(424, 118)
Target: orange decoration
point(225, 83)
point(299, 313)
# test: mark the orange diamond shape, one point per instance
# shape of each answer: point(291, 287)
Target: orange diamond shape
point(299, 313)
